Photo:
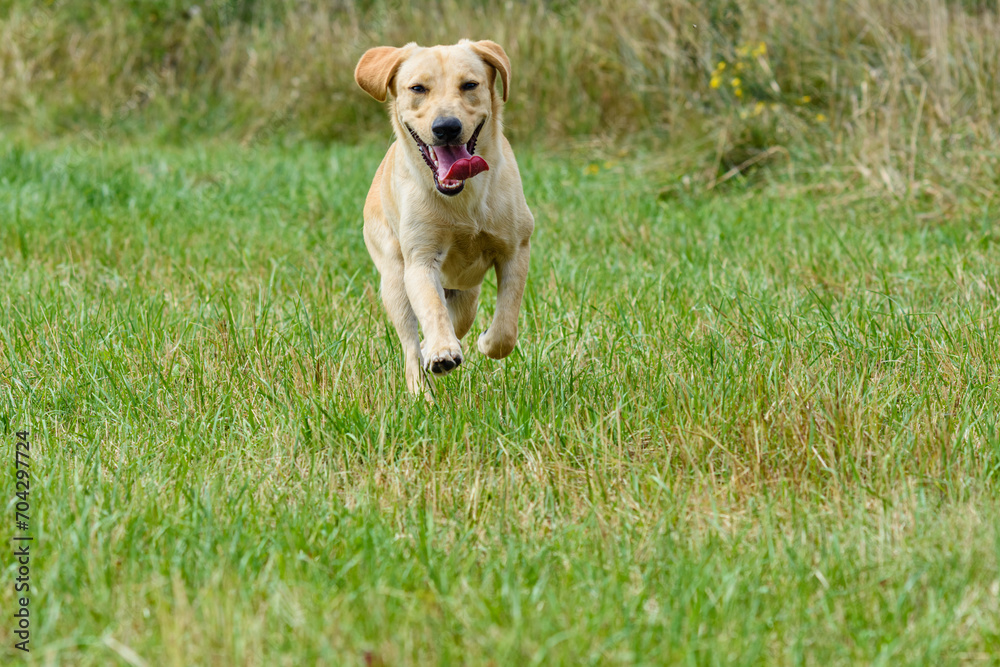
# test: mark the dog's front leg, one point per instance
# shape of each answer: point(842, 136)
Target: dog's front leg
point(397, 305)
point(441, 350)
point(512, 273)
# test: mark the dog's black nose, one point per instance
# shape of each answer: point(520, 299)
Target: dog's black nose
point(446, 128)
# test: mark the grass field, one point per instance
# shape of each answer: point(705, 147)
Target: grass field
point(754, 425)
point(903, 92)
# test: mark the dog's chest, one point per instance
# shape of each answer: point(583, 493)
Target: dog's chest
point(467, 259)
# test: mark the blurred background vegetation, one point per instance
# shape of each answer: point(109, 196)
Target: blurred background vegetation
point(899, 95)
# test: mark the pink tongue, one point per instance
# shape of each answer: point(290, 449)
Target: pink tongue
point(456, 164)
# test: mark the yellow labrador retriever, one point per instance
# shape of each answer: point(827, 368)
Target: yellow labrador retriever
point(446, 204)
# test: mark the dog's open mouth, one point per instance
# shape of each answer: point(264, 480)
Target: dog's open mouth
point(452, 165)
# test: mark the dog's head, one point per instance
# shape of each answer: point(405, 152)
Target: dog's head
point(442, 97)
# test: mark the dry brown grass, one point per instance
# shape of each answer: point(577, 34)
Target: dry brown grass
point(900, 94)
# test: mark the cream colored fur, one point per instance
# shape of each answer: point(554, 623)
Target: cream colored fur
point(433, 250)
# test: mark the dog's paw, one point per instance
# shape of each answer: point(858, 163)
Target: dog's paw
point(442, 360)
point(496, 347)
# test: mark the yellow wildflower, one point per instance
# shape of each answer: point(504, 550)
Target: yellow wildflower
point(820, 118)
point(758, 108)
point(738, 92)
point(805, 99)
point(735, 83)
point(721, 66)
point(716, 81)
point(591, 169)
point(761, 50)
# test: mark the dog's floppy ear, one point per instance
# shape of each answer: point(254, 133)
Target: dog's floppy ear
point(494, 55)
point(377, 67)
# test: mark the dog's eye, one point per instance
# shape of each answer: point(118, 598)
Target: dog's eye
point(418, 89)
point(469, 85)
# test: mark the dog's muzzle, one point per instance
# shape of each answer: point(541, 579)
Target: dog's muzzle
point(452, 165)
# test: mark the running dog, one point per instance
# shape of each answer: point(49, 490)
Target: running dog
point(446, 204)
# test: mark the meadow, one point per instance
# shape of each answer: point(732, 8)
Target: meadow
point(751, 427)
point(752, 417)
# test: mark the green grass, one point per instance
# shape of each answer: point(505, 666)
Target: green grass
point(753, 426)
